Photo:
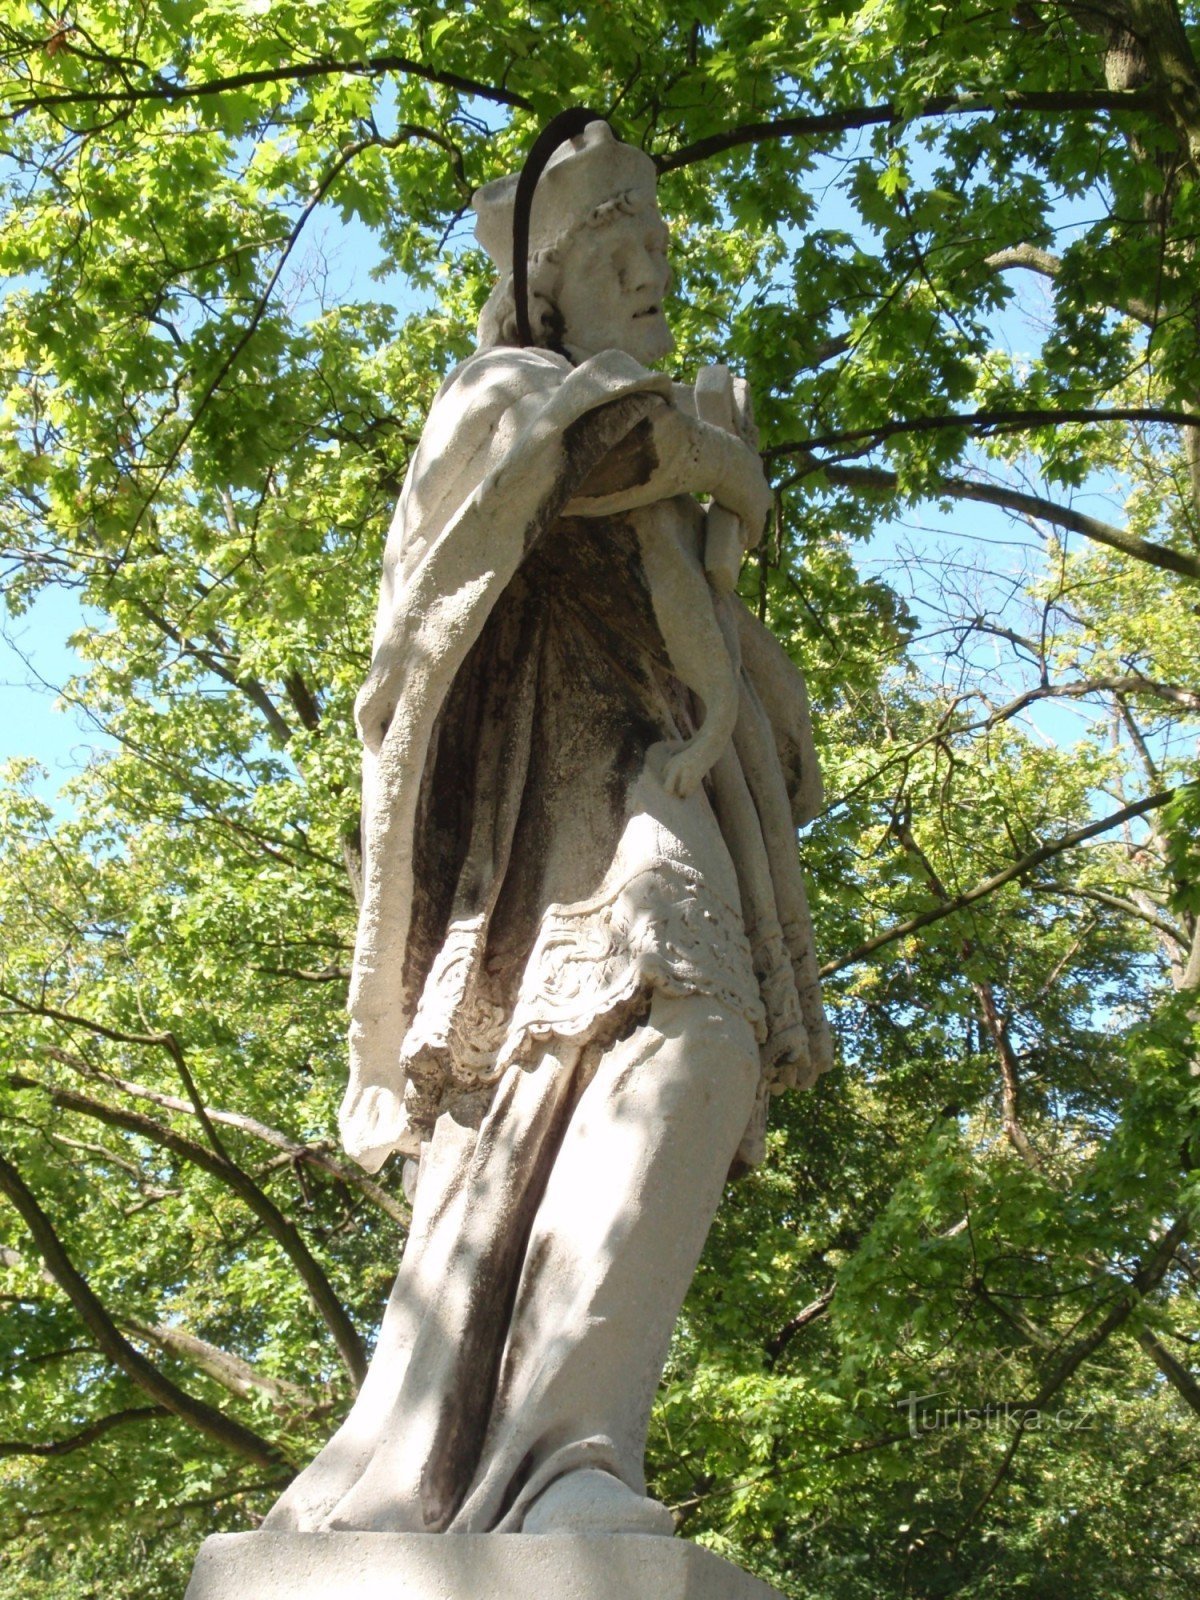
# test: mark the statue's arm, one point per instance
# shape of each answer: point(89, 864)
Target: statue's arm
point(671, 453)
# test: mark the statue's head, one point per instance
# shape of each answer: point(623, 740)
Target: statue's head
point(598, 268)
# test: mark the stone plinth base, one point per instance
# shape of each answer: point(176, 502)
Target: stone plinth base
point(488, 1566)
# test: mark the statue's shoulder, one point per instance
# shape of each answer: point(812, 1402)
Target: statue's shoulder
point(509, 379)
point(492, 380)
point(476, 416)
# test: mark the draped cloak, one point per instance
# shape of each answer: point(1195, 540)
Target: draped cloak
point(525, 873)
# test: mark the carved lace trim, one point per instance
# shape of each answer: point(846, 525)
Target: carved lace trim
point(662, 929)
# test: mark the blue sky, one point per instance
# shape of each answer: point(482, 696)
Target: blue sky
point(36, 660)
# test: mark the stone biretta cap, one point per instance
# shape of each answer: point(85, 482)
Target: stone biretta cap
point(582, 174)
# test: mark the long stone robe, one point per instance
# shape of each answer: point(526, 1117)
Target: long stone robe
point(525, 874)
point(538, 913)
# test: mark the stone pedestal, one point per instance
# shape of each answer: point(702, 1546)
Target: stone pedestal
point(490, 1566)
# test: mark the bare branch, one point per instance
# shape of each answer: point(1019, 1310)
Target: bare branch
point(815, 1308)
point(169, 91)
point(227, 1369)
point(996, 715)
point(161, 1041)
point(254, 691)
point(1149, 764)
point(997, 1030)
point(1116, 902)
point(1047, 265)
point(329, 974)
point(348, 152)
point(994, 1024)
point(981, 423)
point(1156, 555)
point(1174, 1371)
point(313, 1155)
point(1084, 688)
point(304, 701)
point(1148, 1276)
point(1025, 255)
point(1190, 977)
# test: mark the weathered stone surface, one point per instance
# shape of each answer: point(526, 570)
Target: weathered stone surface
point(490, 1566)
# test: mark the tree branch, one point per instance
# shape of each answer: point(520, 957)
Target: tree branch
point(165, 90)
point(997, 1030)
point(815, 1308)
point(279, 1227)
point(113, 1344)
point(1155, 555)
point(985, 994)
point(403, 135)
point(313, 1155)
point(105, 1031)
point(812, 124)
point(1034, 259)
point(1148, 1275)
point(304, 702)
point(250, 686)
point(1174, 1371)
point(1172, 693)
point(1190, 977)
point(983, 422)
point(1116, 902)
point(1030, 256)
point(227, 1369)
point(223, 1367)
point(958, 902)
point(947, 730)
point(85, 1436)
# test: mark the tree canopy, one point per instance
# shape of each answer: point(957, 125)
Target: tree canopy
point(943, 1342)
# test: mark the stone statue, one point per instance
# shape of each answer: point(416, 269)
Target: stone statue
point(584, 957)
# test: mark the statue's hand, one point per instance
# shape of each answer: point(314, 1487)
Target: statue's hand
point(741, 487)
point(685, 770)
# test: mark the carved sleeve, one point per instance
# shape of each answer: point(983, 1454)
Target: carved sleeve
point(667, 454)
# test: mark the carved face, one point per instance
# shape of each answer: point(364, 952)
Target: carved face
point(612, 281)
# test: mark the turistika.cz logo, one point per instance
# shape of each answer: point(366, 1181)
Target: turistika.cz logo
point(924, 1417)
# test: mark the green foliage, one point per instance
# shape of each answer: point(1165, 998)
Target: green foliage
point(203, 429)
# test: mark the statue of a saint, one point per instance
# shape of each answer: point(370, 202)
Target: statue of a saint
point(584, 957)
